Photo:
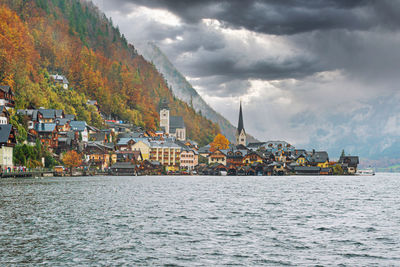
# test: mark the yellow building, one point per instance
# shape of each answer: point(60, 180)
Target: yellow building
point(320, 159)
point(252, 157)
point(217, 157)
point(301, 160)
point(167, 153)
point(143, 147)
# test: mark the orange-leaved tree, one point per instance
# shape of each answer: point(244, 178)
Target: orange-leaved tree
point(220, 142)
point(72, 159)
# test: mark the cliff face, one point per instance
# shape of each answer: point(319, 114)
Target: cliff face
point(73, 38)
point(184, 90)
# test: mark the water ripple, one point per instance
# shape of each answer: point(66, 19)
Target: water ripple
point(201, 221)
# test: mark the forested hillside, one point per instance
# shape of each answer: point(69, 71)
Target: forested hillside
point(72, 38)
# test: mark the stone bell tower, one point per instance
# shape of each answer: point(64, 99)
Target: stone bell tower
point(164, 115)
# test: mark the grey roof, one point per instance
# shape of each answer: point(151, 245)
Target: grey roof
point(351, 160)
point(124, 141)
point(242, 151)
point(70, 116)
point(51, 113)
point(176, 122)
point(319, 157)
point(100, 136)
point(78, 125)
point(28, 112)
point(62, 122)
point(60, 78)
point(45, 127)
point(6, 89)
point(204, 149)
point(5, 131)
point(256, 145)
point(123, 165)
point(185, 147)
point(164, 145)
point(306, 168)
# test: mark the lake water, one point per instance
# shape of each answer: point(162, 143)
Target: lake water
point(201, 221)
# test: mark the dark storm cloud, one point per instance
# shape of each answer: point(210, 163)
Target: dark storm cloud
point(266, 70)
point(280, 17)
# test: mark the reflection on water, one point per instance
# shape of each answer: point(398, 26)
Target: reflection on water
point(185, 221)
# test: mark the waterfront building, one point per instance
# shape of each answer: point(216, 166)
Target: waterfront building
point(7, 143)
point(253, 157)
point(349, 163)
point(189, 158)
point(218, 156)
point(99, 155)
point(319, 159)
point(167, 153)
point(143, 146)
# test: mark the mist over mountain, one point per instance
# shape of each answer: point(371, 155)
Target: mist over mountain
point(183, 89)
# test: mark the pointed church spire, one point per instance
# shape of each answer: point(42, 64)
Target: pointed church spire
point(241, 133)
point(240, 124)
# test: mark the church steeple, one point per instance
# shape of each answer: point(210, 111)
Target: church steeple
point(240, 124)
point(240, 133)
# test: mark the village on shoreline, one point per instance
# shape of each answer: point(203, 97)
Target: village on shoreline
point(58, 144)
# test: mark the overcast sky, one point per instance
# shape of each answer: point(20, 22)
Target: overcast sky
point(309, 72)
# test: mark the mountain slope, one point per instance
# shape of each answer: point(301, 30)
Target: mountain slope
point(183, 89)
point(72, 38)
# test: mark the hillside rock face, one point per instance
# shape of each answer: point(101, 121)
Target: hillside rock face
point(183, 89)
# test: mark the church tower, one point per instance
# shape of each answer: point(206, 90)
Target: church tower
point(240, 133)
point(164, 115)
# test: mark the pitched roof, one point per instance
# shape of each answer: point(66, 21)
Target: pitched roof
point(124, 141)
point(45, 127)
point(70, 116)
point(61, 121)
point(6, 89)
point(78, 125)
point(204, 149)
point(256, 145)
point(351, 160)
point(123, 165)
point(164, 145)
point(51, 113)
point(5, 131)
point(60, 78)
point(176, 122)
point(319, 157)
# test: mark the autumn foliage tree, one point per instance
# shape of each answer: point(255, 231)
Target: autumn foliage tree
point(72, 159)
point(220, 142)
